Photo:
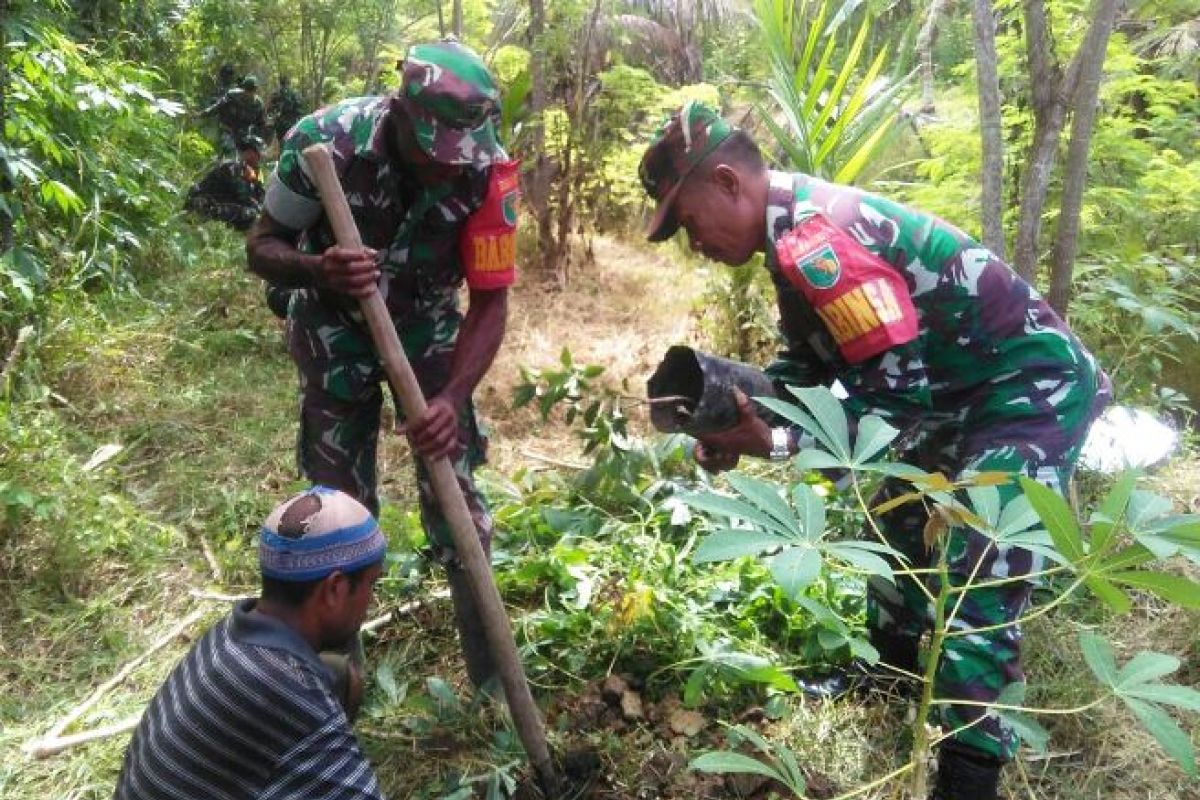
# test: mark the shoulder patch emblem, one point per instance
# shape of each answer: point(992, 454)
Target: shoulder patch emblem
point(820, 267)
point(509, 208)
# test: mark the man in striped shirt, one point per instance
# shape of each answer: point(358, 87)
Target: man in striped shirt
point(252, 710)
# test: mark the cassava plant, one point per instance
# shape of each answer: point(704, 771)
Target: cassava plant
point(1106, 556)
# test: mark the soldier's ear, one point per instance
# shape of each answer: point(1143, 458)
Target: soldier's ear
point(727, 180)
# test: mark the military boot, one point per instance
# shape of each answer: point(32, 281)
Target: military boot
point(965, 774)
point(477, 654)
point(865, 678)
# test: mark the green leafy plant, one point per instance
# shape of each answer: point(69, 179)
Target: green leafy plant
point(1128, 529)
point(834, 119)
point(777, 763)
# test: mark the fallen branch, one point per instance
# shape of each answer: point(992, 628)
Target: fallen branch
point(15, 353)
point(47, 743)
point(220, 597)
point(55, 741)
point(214, 566)
point(44, 748)
point(552, 461)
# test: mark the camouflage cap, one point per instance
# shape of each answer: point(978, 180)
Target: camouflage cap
point(682, 142)
point(453, 103)
point(250, 82)
point(251, 142)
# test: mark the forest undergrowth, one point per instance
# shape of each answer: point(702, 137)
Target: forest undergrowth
point(148, 433)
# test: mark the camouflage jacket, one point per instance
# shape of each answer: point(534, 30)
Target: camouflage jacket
point(988, 355)
point(286, 103)
point(230, 182)
point(286, 107)
point(240, 111)
point(414, 228)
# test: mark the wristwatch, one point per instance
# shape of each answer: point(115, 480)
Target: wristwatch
point(781, 444)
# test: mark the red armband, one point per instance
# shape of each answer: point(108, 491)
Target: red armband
point(488, 245)
point(862, 299)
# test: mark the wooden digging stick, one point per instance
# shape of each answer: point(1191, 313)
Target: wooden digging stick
point(496, 625)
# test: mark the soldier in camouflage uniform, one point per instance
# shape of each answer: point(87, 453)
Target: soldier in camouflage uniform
point(239, 114)
point(231, 192)
point(922, 326)
point(417, 168)
point(285, 107)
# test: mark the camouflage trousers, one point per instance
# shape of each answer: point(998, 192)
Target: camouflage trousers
point(236, 215)
point(341, 398)
point(982, 654)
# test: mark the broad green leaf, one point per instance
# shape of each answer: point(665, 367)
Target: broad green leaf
point(1169, 694)
point(906, 472)
point(1056, 515)
point(766, 498)
point(1132, 556)
point(1098, 654)
point(693, 690)
point(807, 460)
point(441, 692)
point(1111, 595)
point(1145, 667)
point(1173, 588)
point(861, 558)
point(723, 761)
point(1028, 728)
point(873, 435)
point(1017, 515)
point(732, 508)
point(1144, 508)
point(861, 648)
point(793, 414)
point(985, 502)
point(810, 510)
point(830, 418)
point(1166, 732)
point(1111, 512)
point(729, 544)
point(795, 569)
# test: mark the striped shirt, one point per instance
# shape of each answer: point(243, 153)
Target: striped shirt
point(248, 713)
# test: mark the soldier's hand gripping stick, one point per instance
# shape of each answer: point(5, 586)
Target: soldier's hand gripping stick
point(496, 625)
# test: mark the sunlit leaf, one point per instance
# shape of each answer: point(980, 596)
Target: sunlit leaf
point(873, 436)
point(810, 511)
point(1173, 588)
point(766, 498)
point(1145, 667)
point(730, 544)
point(736, 763)
point(795, 569)
point(1172, 738)
point(1098, 654)
point(1057, 516)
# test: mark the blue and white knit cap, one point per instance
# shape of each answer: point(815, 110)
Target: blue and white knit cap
point(316, 533)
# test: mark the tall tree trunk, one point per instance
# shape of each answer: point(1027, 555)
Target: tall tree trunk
point(991, 132)
point(538, 181)
point(572, 160)
point(6, 220)
point(925, 48)
point(456, 19)
point(1085, 101)
point(1052, 90)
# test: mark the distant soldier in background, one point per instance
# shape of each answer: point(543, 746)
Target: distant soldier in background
point(232, 191)
point(285, 107)
point(240, 113)
point(226, 80)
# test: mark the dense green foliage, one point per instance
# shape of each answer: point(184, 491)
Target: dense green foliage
point(146, 406)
